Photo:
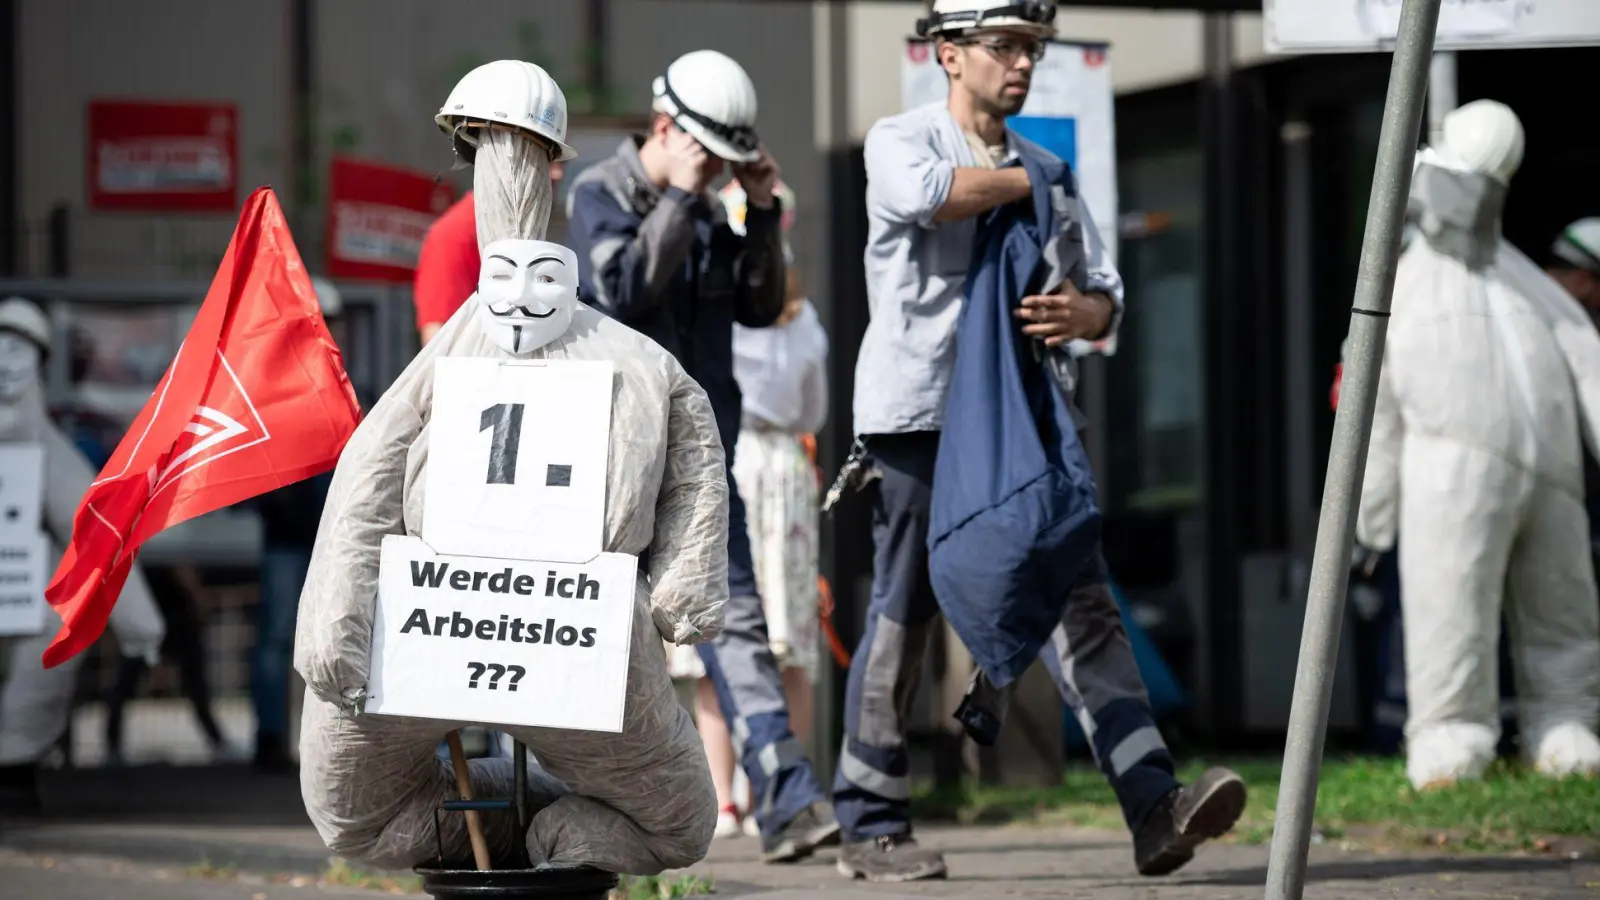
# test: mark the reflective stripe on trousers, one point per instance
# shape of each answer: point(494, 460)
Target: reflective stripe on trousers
point(1088, 655)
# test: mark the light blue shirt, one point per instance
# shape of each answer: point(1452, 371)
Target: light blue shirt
point(917, 268)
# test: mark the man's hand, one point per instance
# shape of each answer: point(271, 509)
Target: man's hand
point(686, 163)
point(758, 179)
point(1066, 315)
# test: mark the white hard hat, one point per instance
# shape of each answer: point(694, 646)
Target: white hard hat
point(1485, 136)
point(709, 95)
point(328, 298)
point(26, 318)
point(1579, 245)
point(511, 93)
point(947, 17)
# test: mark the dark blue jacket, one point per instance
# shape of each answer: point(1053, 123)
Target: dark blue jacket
point(1014, 522)
point(667, 264)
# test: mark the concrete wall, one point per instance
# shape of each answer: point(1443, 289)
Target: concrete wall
point(382, 68)
point(170, 50)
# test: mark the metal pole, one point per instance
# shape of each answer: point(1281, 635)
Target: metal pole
point(1347, 458)
point(1441, 94)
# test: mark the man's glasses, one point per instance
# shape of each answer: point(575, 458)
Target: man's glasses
point(1008, 49)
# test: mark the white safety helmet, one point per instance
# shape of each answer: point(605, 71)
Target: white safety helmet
point(26, 318)
point(1579, 245)
point(328, 297)
point(1485, 136)
point(508, 93)
point(709, 96)
point(949, 18)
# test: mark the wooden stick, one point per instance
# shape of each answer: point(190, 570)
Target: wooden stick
point(458, 760)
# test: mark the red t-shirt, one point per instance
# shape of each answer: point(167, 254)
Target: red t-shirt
point(447, 268)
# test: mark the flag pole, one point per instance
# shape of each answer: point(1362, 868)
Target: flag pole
point(1347, 457)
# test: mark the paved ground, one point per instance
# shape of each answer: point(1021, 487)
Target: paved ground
point(65, 861)
point(174, 834)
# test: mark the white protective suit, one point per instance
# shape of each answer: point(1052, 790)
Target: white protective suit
point(1489, 391)
point(36, 702)
point(640, 801)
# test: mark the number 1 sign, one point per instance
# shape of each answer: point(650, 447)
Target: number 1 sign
point(517, 458)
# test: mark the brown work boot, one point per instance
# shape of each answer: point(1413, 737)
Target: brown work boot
point(1186, 818)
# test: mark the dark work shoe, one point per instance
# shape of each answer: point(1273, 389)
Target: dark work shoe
point(1186, 818)
point(890, 858)
point(814, 827)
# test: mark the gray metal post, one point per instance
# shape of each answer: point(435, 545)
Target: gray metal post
point(1347, 458)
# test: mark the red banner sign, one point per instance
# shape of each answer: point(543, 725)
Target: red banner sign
point(377, 218)
point(163, 157)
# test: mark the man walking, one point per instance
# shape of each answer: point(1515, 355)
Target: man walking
point(655, 251)
point(930, 172)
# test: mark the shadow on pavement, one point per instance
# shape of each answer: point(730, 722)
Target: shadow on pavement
point(190, 795)
point(1379, 869)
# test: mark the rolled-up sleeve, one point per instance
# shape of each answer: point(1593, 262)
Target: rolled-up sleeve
point(1098, 275)
point(907, 182)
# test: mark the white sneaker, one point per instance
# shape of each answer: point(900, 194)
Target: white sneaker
point(751, 827)
point(727, 825)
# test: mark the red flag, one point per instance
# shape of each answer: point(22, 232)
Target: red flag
point(257, 398)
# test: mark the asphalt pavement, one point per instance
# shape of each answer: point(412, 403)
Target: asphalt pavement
point(177, 834)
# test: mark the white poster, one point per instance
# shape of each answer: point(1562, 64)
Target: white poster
point(23, 578)
point(517, 458)
point(502, 642)
point(21, 487)
point(1070, 112)
point(1343, 26)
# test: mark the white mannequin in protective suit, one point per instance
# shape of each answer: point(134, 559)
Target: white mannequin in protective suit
point(637, 802)
point(35, 702)
point(1489, 393)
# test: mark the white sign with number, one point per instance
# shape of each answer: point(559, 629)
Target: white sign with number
point(502, 642)
point(1342, 26)
point(21, 486)
point(23, 577)
point(517, 458)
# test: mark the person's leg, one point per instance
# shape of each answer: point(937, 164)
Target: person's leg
point(183, 632)
point(35, 708)
point(1555, 637)
point(872, 789)
point(638, 802)
point(719, 755)
point(1093, 664)
point(1458, 519)
point(795, 817)
point(798, 690)
point(129, 670)
point(283, 576)
point(373, 788)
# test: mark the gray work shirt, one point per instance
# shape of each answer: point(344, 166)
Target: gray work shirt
point(917, 269)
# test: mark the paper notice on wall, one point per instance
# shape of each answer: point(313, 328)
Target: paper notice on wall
point(1457, 18)
point(517, 458)
point(502, 642)
point(23, 575)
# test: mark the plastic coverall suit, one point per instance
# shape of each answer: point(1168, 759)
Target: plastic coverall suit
point(638, 802)
point(36, 702)
point(1490, 389)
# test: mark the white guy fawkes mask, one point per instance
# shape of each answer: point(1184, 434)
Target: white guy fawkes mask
point(526, 293)
point(19, 364)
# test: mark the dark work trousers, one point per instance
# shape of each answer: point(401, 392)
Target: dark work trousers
point(1088, 655)
point(183, 646)
point(749, 690)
